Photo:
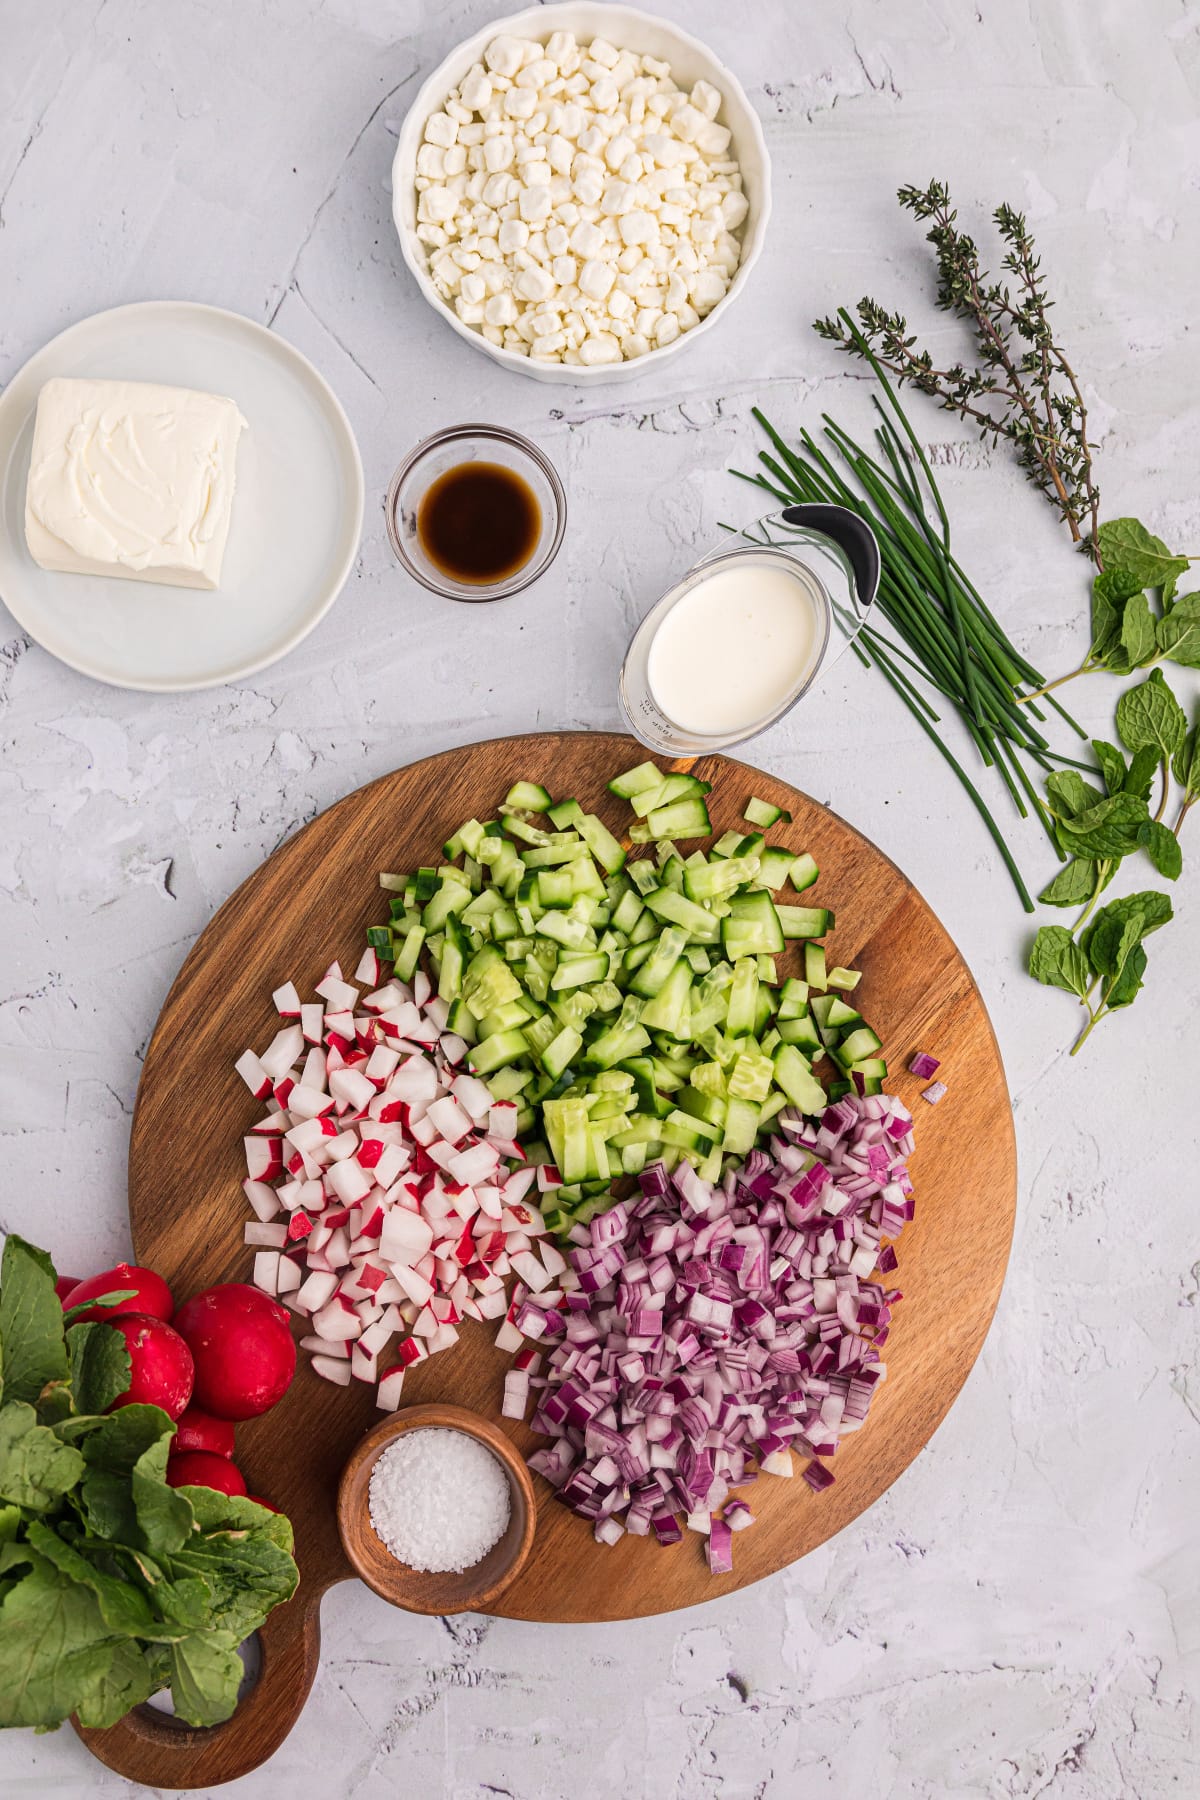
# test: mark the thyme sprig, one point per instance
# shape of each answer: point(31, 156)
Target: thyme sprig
point(1023, 390)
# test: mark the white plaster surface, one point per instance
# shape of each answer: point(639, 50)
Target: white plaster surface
point(1020, 1615)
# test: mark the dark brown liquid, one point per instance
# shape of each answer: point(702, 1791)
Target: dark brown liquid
point(479, 522)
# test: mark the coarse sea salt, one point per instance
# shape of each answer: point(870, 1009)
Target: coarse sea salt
point(439, 1500)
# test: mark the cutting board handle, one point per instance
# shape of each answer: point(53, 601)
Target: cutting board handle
point(150, 1747)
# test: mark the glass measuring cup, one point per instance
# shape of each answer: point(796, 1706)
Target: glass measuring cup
point(834, 556)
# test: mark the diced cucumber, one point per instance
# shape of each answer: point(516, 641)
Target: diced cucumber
point(601, 842)
point(774, 866)
point(804, 873)
point(753, 926)
point(672, 787)
point(859, 1043)
point(527, 796)
point(408, 953)
point(658, 965)
point(666, 903)
point(579, 970)
point(761, 812)
point(670, 1008)
point(636, 781)
point(503, 1047)
point(814, 965)
point(743, 999)
point(846, 980)
point(800, 1031)
point(741, 1127)
point(805, 921)
point(683, 819)
point(795, 1078)
point(627, 912)
point(561, 1050)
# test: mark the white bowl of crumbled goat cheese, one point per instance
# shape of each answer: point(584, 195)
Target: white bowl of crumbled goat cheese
point(580, 189)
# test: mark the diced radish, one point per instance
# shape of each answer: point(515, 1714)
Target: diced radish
point(287, 1001)
point(350, 1087)
point(508, 1337)
point(337, 1320)
point(502, 1120)
point(289, 1277)
point(317, 1346)
point(265, 1237)
point(363, 1366)
point(368, 970)
point(264, 1158)
point(264, 1200)
point(266, 1270)
point(312, 1022)
point(253, 1074)
point(341, 995)
point(316, 1290)
point(406, 1237)
point(448, 1119)
point(348, 1180)
point(391, 1384)
point(284, 1050)
point(330, 1368)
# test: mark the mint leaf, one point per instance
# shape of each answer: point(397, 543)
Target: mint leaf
point(31, 1329)
point(36, 1468)
point(1108, 603)
point(1075, 884)
point(1116, 953)
point(1142, 765)
point(1057, 961)
point(1107, 829)
point(1111, 763)
point(100, 1366)
point(1130, 553)
point(1069, 794)
point(1179, 632)
point(206, 1672)
point(1150, 717)
point(1138, 638)
point(1152, 908)
point(1126, 984)
point(1162, 847)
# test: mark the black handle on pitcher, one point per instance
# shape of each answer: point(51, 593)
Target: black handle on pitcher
point(851, 534)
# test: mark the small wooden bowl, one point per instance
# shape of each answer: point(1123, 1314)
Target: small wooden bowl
point(423, 1591)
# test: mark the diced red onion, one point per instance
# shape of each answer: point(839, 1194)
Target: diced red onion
point(717, 1329)
point(923, 1065)
point(934, 1092)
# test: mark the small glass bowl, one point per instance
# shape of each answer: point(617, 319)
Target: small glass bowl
point(449, 449)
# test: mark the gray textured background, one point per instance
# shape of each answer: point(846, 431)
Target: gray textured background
point(1020, 1616)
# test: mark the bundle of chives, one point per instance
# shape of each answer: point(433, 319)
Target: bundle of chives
point(950, 639)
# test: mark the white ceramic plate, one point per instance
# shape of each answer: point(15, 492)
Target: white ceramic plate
point(297, 511)
point(628, 29)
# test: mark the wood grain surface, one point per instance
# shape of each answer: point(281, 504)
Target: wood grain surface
point(311, 901)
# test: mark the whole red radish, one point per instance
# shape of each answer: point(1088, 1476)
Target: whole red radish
point(63, 1286)
point(269, 1504)
point(243, 1349)
point(151, 1295)
point(161, 1371)
point(200, 1431)
point(198, 1468)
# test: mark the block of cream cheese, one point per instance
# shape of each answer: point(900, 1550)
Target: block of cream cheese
point(131, 478)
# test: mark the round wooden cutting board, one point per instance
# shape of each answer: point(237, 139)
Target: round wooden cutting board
point(311, 901)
